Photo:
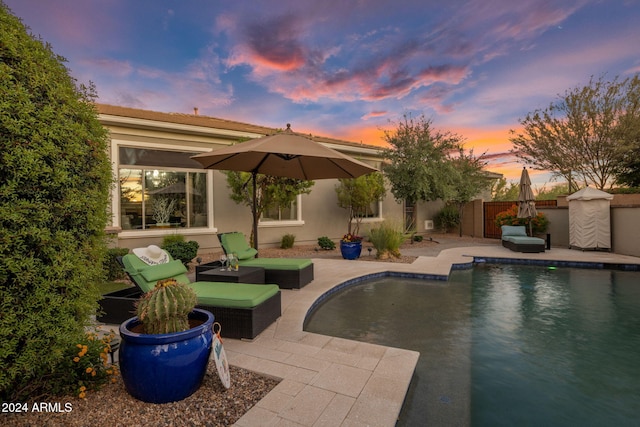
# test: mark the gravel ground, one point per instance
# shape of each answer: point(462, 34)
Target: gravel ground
point(211, 405)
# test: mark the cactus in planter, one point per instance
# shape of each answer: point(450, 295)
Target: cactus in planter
point(165, 309)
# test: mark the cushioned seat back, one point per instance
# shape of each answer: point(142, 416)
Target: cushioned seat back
point(235, 243)
point(514, 230)
point(146, 276)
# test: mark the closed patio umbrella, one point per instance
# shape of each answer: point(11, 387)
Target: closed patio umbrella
point(284, 154)
point(526, 199)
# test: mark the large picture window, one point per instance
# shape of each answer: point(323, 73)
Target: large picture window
point(155, 193)
point(281, 213)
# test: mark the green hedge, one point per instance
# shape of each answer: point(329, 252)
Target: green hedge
point(55, 177)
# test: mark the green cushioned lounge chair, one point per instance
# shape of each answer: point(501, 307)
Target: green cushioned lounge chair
point(515, 238)
point(243, 310)
point(288, 273)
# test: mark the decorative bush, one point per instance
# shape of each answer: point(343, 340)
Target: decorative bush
point(55, 177)
point(172, 238)
point(539, 224)
point(418, 238)
point(111, 266)
point(326, 243)
point(87, 365)
point(387, 239)
point(184, 251)
point(287, 241)
point(447, 219)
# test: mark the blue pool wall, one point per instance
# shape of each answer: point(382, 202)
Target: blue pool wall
point(466, 266)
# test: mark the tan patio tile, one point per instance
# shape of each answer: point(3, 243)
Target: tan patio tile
point(343, 379)
point(308, 405)
point(258, 417)
point(336, 411)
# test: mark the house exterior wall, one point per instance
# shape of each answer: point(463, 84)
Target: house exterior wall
point(320, 214)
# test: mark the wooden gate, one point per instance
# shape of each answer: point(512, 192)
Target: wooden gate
point(492, 209)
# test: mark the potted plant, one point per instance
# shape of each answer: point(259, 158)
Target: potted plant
point(357, 196)
point(165, 349)
point(350, 246)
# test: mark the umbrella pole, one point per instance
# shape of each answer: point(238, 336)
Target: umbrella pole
point(255, 210)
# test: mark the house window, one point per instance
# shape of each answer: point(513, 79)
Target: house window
point(281, 213)
point(155, 193)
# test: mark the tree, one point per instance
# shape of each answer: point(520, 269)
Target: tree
point(55, 177)
point(272, 191)
point(468, 179)
point(357, 194)
point(417, 163)
point(585, 134)
point(501, 192)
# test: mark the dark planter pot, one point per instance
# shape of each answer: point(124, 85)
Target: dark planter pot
point(350, 250)
point(165, 367)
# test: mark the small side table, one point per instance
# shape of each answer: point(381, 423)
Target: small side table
point(243, 275)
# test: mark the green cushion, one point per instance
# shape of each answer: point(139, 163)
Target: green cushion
point(514, 230)
point(153, 273)
point(233, 295)
point(234, 243)
point(277, 263)
point(217, 294)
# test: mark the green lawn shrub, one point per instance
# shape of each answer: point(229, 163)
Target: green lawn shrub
point(287, 241)
point(55, 178)
point(326, 243)
point(387, 239)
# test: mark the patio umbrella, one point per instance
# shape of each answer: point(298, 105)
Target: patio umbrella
point(285, 154)
point(526, 199)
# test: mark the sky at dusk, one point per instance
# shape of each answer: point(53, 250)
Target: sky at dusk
point(345, 69)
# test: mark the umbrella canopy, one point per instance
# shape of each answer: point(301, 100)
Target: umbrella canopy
point(526, 199)
point(284, 154)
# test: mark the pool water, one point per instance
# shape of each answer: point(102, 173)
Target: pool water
point(505, 345)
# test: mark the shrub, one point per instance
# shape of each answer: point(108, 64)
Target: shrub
point(539, 224)
point(111, 266)
point(447, 219)
point(55, 178)
point(86, 365)
point(326, 243)
point(387, 239)
point(417, 238)
point(171, 239)
point(184, 251)
point(287, 241)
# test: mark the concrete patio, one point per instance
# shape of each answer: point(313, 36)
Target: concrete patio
point(329, 381)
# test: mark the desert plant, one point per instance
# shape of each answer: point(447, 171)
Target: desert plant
point(326, 243)
point(165, 309)
point(447, 219)
point(184, 251)
point(386, 239)
point(287, 241)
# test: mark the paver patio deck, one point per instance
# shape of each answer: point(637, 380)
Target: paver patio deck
point(329, 381)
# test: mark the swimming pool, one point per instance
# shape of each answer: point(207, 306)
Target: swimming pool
point(505, 344)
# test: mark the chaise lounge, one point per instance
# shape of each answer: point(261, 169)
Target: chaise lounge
point(515, 237)
point(243, 310)
point(288, 273)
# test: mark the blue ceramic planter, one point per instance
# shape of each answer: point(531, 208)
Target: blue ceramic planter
point(165, 367)
point(350, 250)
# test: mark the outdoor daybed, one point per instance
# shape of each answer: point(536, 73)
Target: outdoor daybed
point(243, 310)
point(288, 273)
point(515, 238)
